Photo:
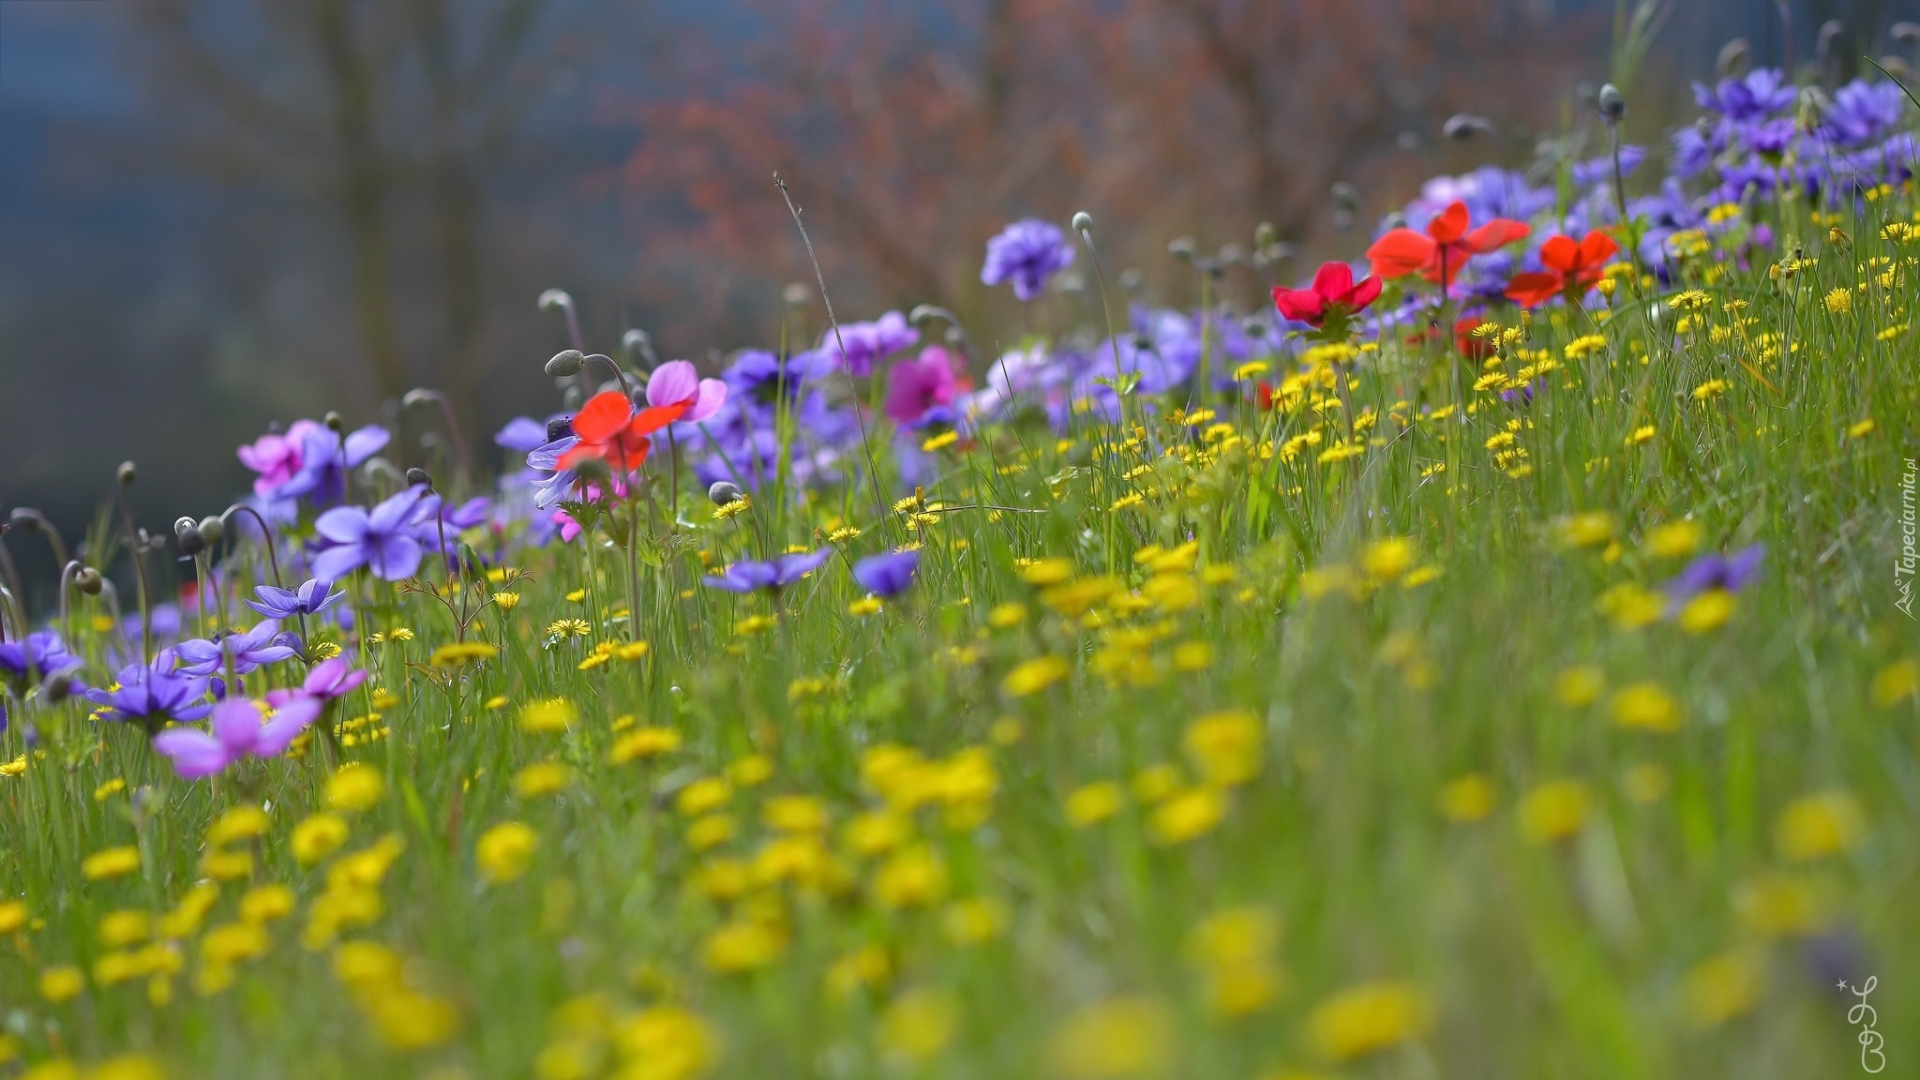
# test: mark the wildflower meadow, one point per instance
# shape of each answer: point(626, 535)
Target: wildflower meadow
point(1494, 657)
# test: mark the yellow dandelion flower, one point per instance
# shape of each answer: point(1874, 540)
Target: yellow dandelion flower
point(1367, 1018)
point(110, 863)
point(1467, 799)
point(1815, 826)
point(318, 837)
point(61, 983)
point(542, 778)
point(506, 851)
point(1675, 539)
point(1227, 747)
point(1117, 1038)
point(548, 716)
point(1032, 676)
point(1554, 810)
point(1188, 815)
point(918, 1026)
point(1839, 302)
point(1646, 706)
point(1896, 682)
point(1707, 612)
point(643, 743)
point(354, 788)
point(459, 654)
point(1722, 987)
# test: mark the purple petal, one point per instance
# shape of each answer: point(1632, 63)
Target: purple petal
point(338, 562)
point(713, 394)
point(342, 525)
point(236, 724)
point(286, 725)
point(396, 557)
point(365, 443)
point(195, 754)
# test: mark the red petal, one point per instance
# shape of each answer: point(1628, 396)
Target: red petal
point(1450, 225)
point(1304, 305)
point(579, 453)
point(1364, 294)
point(652, 420)
point(1401, 252)
point(1560, 253)
point(1597, 248)
point(1334, 281)
point(602, 416)
point(1495, 235)
point(1532, 290)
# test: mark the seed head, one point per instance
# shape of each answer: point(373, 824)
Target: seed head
point(724, 493)
point(1083, 223)
point(1612, 104)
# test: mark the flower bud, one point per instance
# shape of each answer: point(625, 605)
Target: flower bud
point(417, 476)
point(1463, 126)
point(334, 421)
point(1132, 281)
point(187, 532)
point(555, 298)
point(1264, 234)
point(58, 687)
point(1345, 195)
point(1181, 248)
point(1906, 33)
point(796, 295)
point(922, 314)
point(1083, 222)
point(126, 473)
point(26, 519)
point(724, 492)
point(566, 362)
point(212, 529)
point(89, 580)
point(1612, 103)
point(1732, 61)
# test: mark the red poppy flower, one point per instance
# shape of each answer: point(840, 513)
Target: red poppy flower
point(1444, 248)
point(1572, 269)
point(1332, 295)
point(610, 430)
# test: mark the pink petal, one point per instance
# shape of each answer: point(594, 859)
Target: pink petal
point(672, 383)
point(286, 725)
point(713, 394)
point(195, 754)
point(236, 723)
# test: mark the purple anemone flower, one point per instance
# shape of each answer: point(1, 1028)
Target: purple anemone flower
point(240, 728)
point(868, 343)
point(264, 644)
point(35, 657)
point(153, 695)
point(1709, 572)
point(380, 539)
point(888, 574)
point(328, 681)
point(311, 598)
point(1026, 253)
point(1761, 92)
point(743, 577)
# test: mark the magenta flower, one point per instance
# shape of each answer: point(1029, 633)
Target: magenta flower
point(240, 728)
point(328, 681)
point(919, 390)
point(276, 457)
point(676, 381)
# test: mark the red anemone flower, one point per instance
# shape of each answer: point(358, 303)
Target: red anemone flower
point(1440, 252)
point(610, 430)
point(1572, 269)
point(1332, 295)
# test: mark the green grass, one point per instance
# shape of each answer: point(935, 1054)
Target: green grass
point(1377, 627)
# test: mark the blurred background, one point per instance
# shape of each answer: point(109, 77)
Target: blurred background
point(216, 214)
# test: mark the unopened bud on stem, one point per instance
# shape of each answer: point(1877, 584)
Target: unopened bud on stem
point(566, 362)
